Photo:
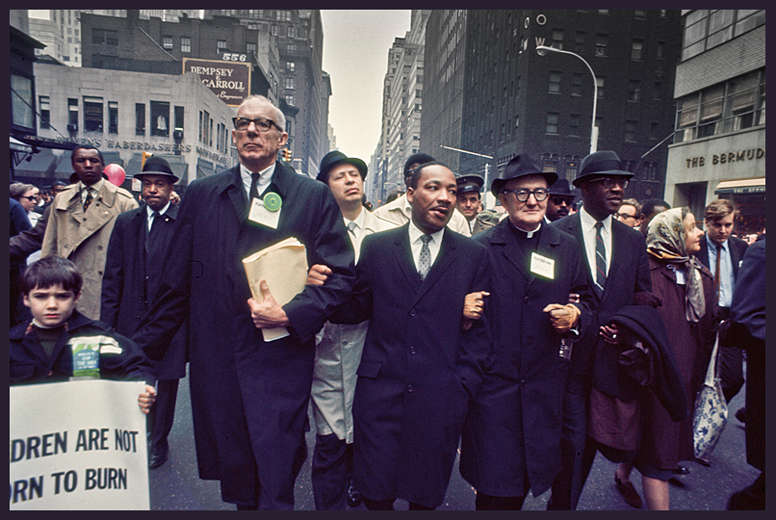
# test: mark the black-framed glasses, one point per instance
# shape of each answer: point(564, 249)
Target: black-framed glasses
point(262, 125)
point(561, 200)
point(625, 215)
point(522, 194)
point(611, 182)
point(32, 198)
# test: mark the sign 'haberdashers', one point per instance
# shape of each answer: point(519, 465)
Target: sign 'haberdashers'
point(229, 80)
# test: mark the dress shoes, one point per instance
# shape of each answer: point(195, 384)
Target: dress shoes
point(353, 494)
point(681, 470)
point(157, 458)
point(628, 492)
point(741, 415)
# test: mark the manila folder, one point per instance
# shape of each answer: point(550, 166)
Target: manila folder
point(284, 266)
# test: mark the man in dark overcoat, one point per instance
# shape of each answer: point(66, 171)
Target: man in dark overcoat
point(511, 439)
point(137, 252)
point(418, 368)
point(616, 266)
point(250, 396)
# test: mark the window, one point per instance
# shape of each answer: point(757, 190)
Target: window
point(105, 36)
point(185, 44)
point(45, 111)
point(601, 42)
point(706, 28)
point(290, 66)
point(579, 41)
point(634, 91)
point(210, 134)
point(557, 38)
point(290, 100)
point(600, 83)
point(657, 91)
point(160, 118)
point(576, 84)
point(274, 30)
point(201, 117)
point(250, 48)
point(113, 117)
point(639, 14)
point(603, 11)
point(92, 114)
point(291, 31)
point(140, 123)
point(554, 83)
point(221, 46)
point(637, 50)
point(654, 127)
point(630, 131)
point(552, 123)
point(660, 50)
point(574, 124)
point(178, 118)
point(167, 42)
point(742, 92)
point(290, 83)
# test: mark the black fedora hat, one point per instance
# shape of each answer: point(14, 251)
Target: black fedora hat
point(335, 157)
point(520, 166)
point(157, 166)
point(469, 183)
point(561, 188)
point(603, 163)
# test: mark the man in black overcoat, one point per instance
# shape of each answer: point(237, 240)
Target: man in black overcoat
point(137, 252)
point(419, 368)
point(617, 269)
point(511, 439)
point(249, 396)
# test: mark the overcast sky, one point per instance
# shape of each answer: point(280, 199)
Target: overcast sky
point(355, 54)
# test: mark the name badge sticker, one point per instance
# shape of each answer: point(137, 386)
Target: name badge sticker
point(542, 266)
point(266, 212)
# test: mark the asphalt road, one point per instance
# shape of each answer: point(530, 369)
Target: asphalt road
point(176, 486)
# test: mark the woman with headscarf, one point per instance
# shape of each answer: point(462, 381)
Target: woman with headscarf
point(684, 287)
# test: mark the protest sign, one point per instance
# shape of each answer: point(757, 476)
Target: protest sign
point(78, 445)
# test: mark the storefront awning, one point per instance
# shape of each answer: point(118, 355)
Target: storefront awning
point(741, 186)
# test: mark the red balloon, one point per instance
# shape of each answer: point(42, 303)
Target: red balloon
point(115, 173)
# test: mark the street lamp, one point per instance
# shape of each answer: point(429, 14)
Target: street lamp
point(541, 50)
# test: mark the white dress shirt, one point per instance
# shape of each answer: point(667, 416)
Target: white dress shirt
point(415, 243)
point(265, 177)
point(725, 270)
point(356, 235)
point(589, 235)
point(150, 215)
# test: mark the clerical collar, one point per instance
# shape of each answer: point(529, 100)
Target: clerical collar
point(528, 234)
point(162, 211)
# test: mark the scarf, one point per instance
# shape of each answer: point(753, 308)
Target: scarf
point(666, 242)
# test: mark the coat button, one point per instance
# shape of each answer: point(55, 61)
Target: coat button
point(99, 247)
point(522, 381)
point(525, 299)
point(412, 313)
point(412, 350)
point(410, 388)
point(147, 277)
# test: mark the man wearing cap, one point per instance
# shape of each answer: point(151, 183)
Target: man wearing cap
point(338, 349)
point(469, 200)
point(399, 211)
point(81, 220)
point(618, 273)
point(511, 440)
point(137, 252)
point(249, 396)
point(560, 202)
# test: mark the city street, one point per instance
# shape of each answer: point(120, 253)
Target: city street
point(176, 486)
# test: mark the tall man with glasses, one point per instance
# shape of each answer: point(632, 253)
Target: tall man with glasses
point(511, 440)
point(618, 273)
point(249, 396)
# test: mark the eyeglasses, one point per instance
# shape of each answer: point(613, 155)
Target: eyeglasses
point(522, 194)
point(31, 199)
point(611, 182)
point(625, 215)
point(262, 125)
point(561, 200)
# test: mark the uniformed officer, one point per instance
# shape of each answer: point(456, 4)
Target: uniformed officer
point(469, 200)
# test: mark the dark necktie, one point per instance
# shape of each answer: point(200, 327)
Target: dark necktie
point(600, 259)
point(254, 193)
point(88, 198)
point(153, 232)
point(716, 271)
point(424, 260)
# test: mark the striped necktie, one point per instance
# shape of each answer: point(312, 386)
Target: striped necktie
point(600, 259)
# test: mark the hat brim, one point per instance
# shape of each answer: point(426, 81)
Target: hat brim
point(358, 163)
point(140, 175)
point(496, 185)
point(605, 173)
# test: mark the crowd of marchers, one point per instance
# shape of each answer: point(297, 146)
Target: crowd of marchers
point(528, 336)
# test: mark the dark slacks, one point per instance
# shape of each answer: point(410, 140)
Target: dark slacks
point(332, 465)
point(567, 486)
point(387, 505)
point(162, 414)
point(731, 371)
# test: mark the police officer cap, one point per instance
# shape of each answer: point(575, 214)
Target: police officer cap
point(469, 183)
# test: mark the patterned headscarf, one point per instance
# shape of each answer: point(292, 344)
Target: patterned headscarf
point(666, 239)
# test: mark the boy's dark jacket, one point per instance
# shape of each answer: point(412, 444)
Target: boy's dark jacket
point(29, 363)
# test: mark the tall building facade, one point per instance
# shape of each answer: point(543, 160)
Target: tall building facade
point(489, 92)
point(719, 144)
point(401, 109)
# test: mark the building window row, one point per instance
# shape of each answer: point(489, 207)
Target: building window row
point(734, 105)
point(707, 28)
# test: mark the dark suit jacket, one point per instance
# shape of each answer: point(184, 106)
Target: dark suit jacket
point(736, 248)
point(132, 278)
point(418, 369)
point(628, 275)
point(249, 397)
point(514, 425)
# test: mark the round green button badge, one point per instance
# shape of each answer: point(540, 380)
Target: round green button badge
point(272, 201)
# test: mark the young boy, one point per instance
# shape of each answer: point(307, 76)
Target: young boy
point(59, 343)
